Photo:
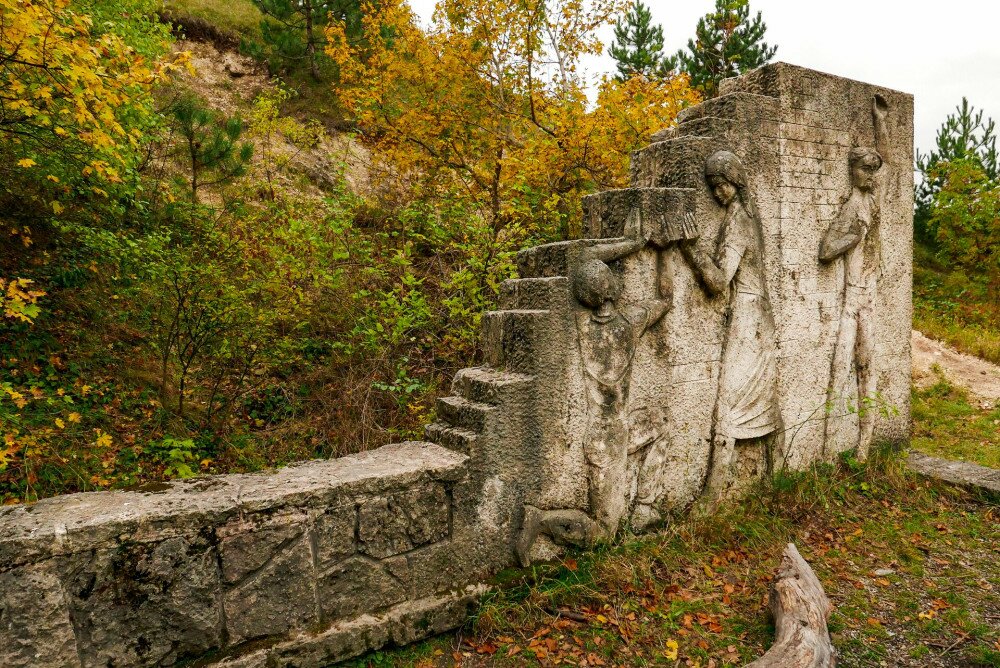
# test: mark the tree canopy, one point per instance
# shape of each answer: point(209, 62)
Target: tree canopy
point(489, 105)
point(727, 43)
point(964, 136)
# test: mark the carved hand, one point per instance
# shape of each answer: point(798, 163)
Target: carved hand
point(689, 248)
point(880, 108)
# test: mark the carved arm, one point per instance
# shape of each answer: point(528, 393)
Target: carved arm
point(836, 242)
point(711, 274)
point(880, 110)
point(611, 251)
point(664, 288)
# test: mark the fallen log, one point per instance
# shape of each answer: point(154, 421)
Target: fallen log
point(800, 608)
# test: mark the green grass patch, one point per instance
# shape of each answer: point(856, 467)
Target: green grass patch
point(946, 424)
point(240, 17)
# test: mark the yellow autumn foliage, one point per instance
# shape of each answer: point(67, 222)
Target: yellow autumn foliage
point(489, 105)
point(74, 103)
point(64, 84)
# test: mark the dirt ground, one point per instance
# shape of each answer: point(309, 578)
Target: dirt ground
point(979, 377)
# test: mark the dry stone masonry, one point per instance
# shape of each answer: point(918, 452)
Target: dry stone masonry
point(742, 308)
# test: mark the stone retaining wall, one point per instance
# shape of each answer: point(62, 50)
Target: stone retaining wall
point(313, 563)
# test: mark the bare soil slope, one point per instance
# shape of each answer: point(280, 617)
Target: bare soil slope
point(979, 377)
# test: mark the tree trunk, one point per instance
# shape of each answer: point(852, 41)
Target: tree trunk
point(311, 42)
point(800, 608)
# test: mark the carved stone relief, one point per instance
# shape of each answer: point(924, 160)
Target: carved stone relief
point(854, 242)
point(747, 418)
point(700, 342)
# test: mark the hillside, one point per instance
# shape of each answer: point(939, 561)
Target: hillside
point(110, 399)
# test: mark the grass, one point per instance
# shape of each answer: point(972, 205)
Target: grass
point(240, 17)
point(909, 566)
point(953, 307)
point(946, 424)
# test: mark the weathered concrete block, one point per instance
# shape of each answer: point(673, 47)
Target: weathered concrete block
point(277, 597)
point(400, 522)
point(361, 585)
point(221, 569)
point(35, 625)
point(145, 604)
point(404, 623)
point(334, 531)
point(248, 544)
point(964, 474)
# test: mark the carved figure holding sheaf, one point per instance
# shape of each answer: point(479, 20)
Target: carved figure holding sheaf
point(853, 239)
point(747, 419)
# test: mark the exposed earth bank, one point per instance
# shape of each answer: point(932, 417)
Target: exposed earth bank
point(979, 377)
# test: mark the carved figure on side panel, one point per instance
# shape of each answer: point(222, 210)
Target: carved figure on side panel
point(747, 425)
point(853, 239)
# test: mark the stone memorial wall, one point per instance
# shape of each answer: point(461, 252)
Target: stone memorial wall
point(742, 308)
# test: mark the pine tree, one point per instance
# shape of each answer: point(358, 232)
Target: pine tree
point(964, 136)
point(209, 145)
point(638, 45)
point(293, 29)
point(726, 43)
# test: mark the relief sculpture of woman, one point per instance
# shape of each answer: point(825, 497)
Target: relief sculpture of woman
point(747, 420)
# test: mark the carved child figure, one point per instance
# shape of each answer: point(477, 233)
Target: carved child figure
point(607, 334)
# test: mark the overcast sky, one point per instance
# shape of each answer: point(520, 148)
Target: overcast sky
point(937, 51)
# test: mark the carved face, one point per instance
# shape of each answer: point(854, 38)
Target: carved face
point(863, 175)
point(722, 190)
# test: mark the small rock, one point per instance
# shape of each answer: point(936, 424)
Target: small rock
point(882, 572)
point(233, 66)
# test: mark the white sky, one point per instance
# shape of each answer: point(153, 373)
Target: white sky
point(937, 51)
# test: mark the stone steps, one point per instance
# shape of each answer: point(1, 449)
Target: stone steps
point(706, 126)
point(458, 439)
point(675, 157)
point(479, 392)
point(532, 293)
point(460, 412)
point(489, 386)
point(735, 105)
point(674, 163)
